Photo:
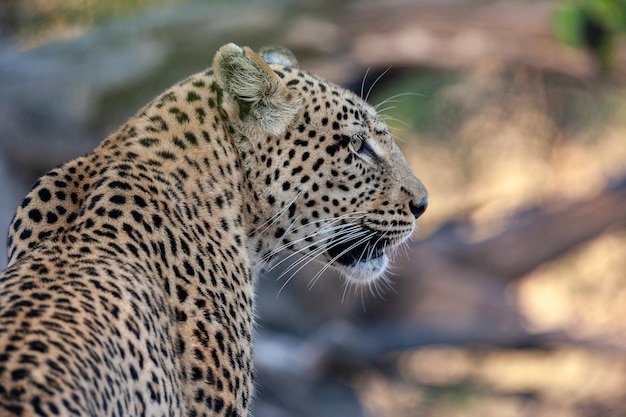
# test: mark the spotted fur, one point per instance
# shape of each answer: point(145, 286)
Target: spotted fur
point(129, 290)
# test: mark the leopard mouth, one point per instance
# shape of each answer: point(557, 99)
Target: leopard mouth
point(348, 251)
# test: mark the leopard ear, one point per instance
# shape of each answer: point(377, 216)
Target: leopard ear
point(276, 54)
point(253, 96)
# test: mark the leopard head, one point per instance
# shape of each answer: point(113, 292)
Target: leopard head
point(324, 176)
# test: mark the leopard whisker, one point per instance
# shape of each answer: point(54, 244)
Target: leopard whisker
point(393, 98)
point(387, 109)
point(322, 226)
point(308, 257)
point(301, 251)
point(346, 284)
point(304, 261)
point(388, 118)
point(277, 247)
point(383, 284)
point(369, 91)
point(367, 236)
point(363, 82)
point(268, 223)
point(398, 138)
point(326, 247)
point(380, 238)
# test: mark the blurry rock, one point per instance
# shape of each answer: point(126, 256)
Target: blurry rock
point(9, 193)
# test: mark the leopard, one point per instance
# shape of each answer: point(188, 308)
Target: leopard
point(129, 289)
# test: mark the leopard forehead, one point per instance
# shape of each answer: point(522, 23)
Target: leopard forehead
point(323, 98)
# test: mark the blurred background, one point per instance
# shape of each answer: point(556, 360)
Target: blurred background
point(511, 300)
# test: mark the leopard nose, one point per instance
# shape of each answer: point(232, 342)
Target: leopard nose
point(418, 208)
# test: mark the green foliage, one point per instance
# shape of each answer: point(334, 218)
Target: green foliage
point(35, 18)
point(591, 24)
point(567, 23)
point(571, 15)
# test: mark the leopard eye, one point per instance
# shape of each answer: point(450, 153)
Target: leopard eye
point(358, 141)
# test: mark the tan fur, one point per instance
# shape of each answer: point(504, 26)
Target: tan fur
point(129, 290)
point(250, 83)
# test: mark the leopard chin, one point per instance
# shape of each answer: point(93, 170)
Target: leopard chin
point(365, 271)
point(361, 260)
